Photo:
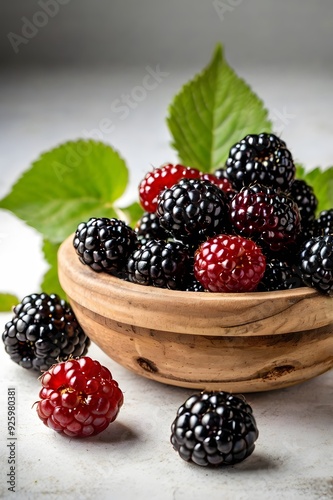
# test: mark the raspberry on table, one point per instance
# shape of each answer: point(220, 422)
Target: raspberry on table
point(159, 179)
point(104, 244)
point(227, 263)
point(79, 398)
point(266, 215)
point(262, 158)
point(43, 330)
point(315, 263)
point(192, 210)
point(159, 263)
point(214, 429)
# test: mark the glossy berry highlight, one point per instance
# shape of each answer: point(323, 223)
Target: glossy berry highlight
point(79, 398)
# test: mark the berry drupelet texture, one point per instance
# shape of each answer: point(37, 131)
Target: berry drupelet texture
point(79, 398)
point(306, 200)
point(324, 223)
point(149, 228)
point(315, 263)
point(279, 275)
point(159, 263)
point(226, 263)
point(43, 330)
point(192, 210)
point(269, 217)
point(214, 429)
point(262, 158)
point(104, 244)
point(159, 179)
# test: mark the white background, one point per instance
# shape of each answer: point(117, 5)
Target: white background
point(59, 86)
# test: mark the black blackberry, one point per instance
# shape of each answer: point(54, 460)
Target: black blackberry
point(214, 428)
point(262, 158)
point(279, 275)
point(192, 210)
point(158, 263)
point(324, 222)
point(269, 217)
point(305, 198)
point(149, 228)
point(43, 331)
point(315, 263)
point(104, 244)
point(220, 173)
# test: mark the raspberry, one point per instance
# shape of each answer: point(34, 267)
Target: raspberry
point(214, 429)
point(315, 263)
point(261, 213)
point(278, 275)
point(158, 263)
point(149, 228)
point(305, 198)
point(227, 263)
point(104, 244)
point(79, 398)
point(43, 330)
point(159, 179)
point(192, 210)
point(324, 223)
point(220, 182)
point(260, 158)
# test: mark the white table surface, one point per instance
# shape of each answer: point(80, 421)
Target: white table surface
point(133, 458)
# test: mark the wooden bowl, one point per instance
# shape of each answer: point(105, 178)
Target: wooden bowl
point(243, 342)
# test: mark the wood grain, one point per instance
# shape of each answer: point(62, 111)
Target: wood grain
point(239, 342)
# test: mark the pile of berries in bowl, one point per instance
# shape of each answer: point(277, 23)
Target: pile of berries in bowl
point(223, 283)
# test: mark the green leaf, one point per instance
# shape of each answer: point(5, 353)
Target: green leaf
point(132, 213)
point(321, 181)
point(50, 283)
point(211, 113)
point(7, 301)
point(68, 185)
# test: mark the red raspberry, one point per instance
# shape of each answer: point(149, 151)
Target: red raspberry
point(79, 398)
point(159, 179)
point(228, 263)
point(221, 182)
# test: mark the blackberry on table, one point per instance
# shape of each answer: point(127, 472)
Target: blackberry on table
point(269, 217)
point(159, 263)
point(262, 158)
point(192, 210)
point(214, 429)
point(43, 330)
point(315, 263)
point(104, 244)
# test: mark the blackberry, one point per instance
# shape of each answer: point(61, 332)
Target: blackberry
point(262, 158)
point(149, 228)
point(104, 244)
point(269, 217)
point(214, 428)
point(324, 223)
point(279, 275)
point(43, 330)
point(306, 200)
point(315, 263)
point(158, 263)
point(192, 210)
